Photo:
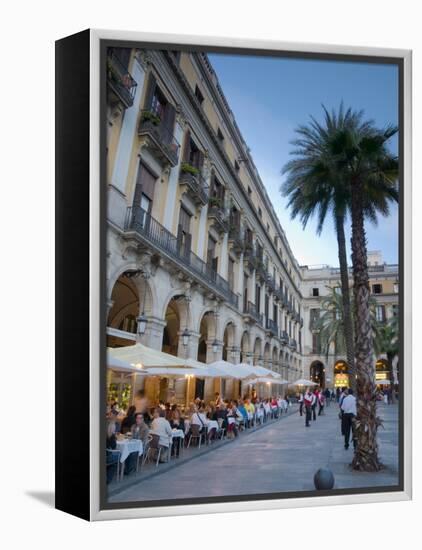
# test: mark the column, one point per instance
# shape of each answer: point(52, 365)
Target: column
point(127, 133)
point(173, 182)
point(224, 255)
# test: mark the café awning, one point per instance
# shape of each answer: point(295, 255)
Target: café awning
point(268, 380)
point(143, 357)
point(118, 365)
point(230, 370)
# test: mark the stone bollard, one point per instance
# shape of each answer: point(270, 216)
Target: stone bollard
point(323, 479)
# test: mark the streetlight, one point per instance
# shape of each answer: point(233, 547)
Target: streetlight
point(215, 346)
point(142, 323)
point(185, 337)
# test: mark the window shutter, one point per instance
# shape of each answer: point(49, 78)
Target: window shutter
point(168, 122)
point(188, 243)
point(186, 147)
point(179, 236)
point(200, 161)
point(152, 83)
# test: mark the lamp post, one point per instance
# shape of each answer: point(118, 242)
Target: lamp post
point(142, 323)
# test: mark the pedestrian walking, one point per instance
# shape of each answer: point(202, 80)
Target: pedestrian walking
point(307, 401)
point(315, 395)
point(321, 402)
point(348, 407)
point(327, 395)
point(300, 401)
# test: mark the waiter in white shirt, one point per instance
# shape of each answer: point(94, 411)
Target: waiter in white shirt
point(348, 407)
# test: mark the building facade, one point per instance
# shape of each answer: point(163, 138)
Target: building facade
point(193, 242)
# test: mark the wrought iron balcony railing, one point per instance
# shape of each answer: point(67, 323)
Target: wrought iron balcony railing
point(219, 219)
point(293, 343)
point(196, 187)
point(164, 242)
point(271, 326)
point(251, 311)
point(284, 337)
point(236, 238)
point(161, 140)
point(270, 282)
point(120, 82)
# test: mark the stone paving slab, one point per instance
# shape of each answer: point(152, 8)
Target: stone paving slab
point(283, 456)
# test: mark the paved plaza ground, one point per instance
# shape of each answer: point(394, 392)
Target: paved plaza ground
point(281, 456)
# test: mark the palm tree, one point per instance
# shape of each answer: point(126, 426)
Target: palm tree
point(330, 324)
point(315, 186)
point(387, 341)
point(344, 166)
point(370, 172)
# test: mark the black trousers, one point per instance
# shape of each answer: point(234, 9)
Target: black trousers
point(314, 411)
point(301, 408)
point(321, 410)
point(347, 425)
point(308, 413)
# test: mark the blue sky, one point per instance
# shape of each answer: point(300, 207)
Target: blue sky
point(270, 97)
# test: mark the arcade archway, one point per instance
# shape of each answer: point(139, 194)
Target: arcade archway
point(317, 373)
point(341, 374)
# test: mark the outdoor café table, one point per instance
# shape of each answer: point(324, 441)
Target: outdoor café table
point(178, 434)
point(212, 424)
point(126, 447)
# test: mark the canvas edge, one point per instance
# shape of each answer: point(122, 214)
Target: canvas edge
point(161, 511)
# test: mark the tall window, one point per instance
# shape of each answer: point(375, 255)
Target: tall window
point(231, 274)
point(198, 94)
point(377, 289)
point(184, 231)
point(245, 291)
point(144, 189)
point(258, 298)
point(192, 154)
point(380, 313)
point(212, 260)
point(315, 292)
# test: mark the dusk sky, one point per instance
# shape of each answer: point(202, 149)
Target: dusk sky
point(270, 97)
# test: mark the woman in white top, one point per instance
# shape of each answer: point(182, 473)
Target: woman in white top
point(161, 427)
point(198, 418)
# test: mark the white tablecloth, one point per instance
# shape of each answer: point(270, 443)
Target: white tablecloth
point(178, 433)
point(212, 424)
point(127, 446)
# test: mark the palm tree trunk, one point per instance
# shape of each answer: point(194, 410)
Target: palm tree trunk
point(390, 358)
point(345, 294)
point(366, 453)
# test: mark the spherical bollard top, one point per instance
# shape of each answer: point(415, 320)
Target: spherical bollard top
point(323, 479)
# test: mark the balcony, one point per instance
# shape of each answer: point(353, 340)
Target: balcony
point(270, 282)
point(271, 327)
point(251, 313)
point(156, 237)
point(261, 271)
point(121, 85)
point(218, 217)
point(293, 344)
point(236, 240)
point(249, 257)
point(158, 139)
point(195, 187)
point(284, 337)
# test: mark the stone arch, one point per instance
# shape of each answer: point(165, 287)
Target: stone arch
point(207, 334)
point(317, 373)
point(267, 353)
point(257, 351)
point(228, 339)
point(245, 347)
point(130, 296)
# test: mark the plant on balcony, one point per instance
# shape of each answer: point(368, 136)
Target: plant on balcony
point(187, 168)
point(215, 202)
point(149, 116)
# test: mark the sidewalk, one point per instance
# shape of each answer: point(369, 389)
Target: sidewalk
point(282, 456)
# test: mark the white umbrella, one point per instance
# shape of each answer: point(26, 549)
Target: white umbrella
point(230, 370)
point(267, 380)
point(262, 371)
point(382, 382)
point(144, 357)
point(303, 382)
point(117, 365)
point(173, 372)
